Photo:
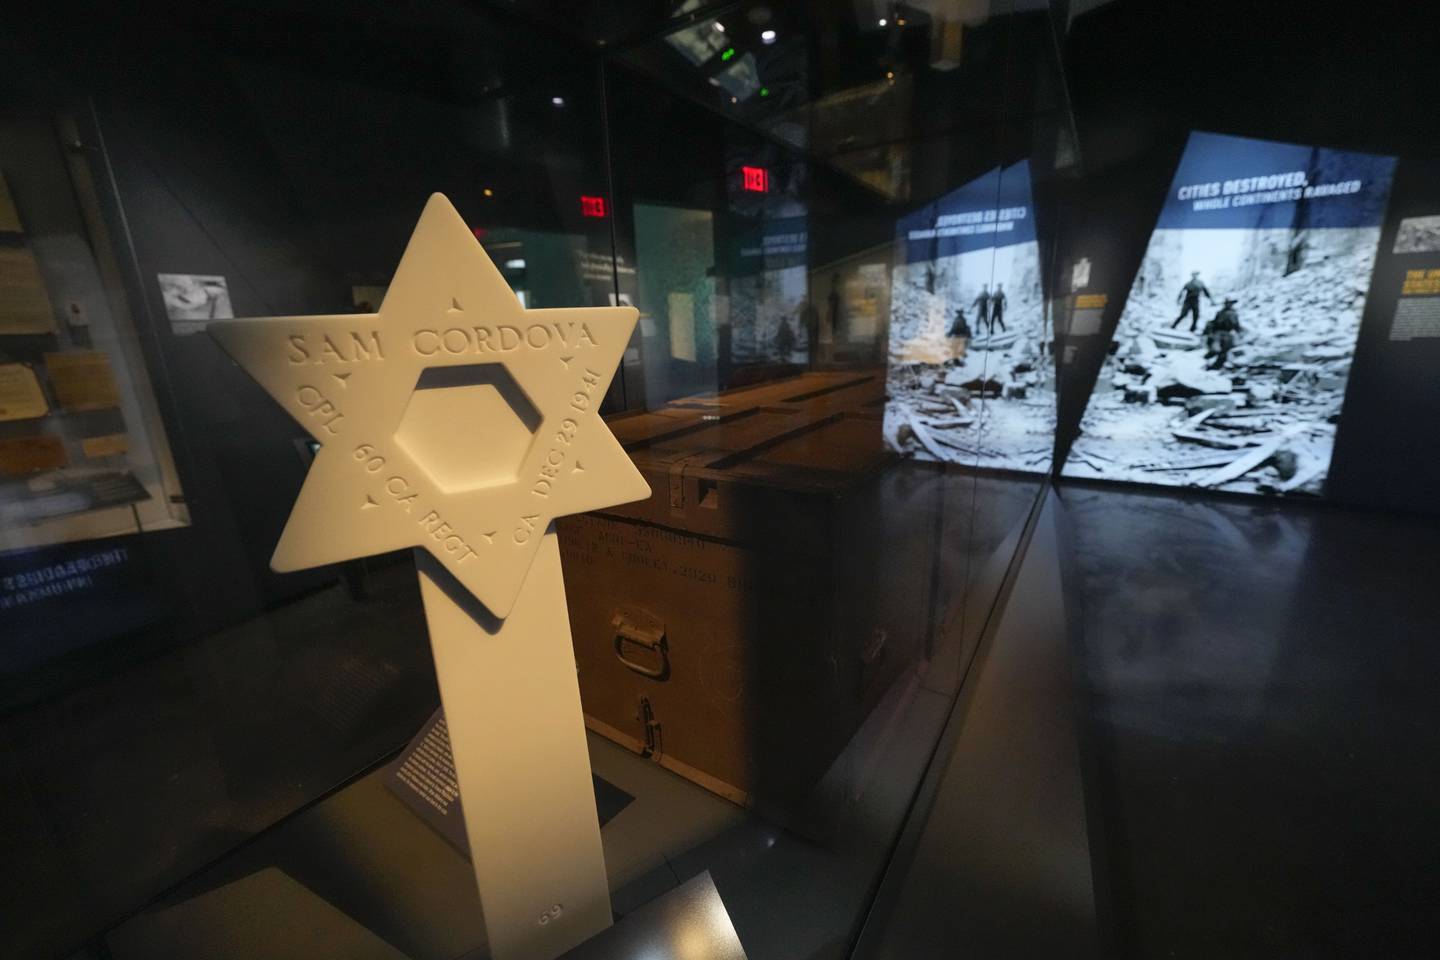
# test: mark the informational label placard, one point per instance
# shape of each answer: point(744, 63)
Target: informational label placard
point(423, 777)
point(1089, 311)
point(107, 445)
point(20, 395)
point(24, 303)
point(60, 598)
point(1416, 317)
point(41, 581)
point(1417, 313)
point(20, 456)
point(83, 381)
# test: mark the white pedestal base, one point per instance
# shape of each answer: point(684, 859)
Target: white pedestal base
point(512, 705)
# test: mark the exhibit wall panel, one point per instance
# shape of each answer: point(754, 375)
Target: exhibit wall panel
point(1286, 235)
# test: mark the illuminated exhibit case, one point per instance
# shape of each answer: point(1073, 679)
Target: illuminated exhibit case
point(970, 367)
point(1232, 354)
point(83, 452)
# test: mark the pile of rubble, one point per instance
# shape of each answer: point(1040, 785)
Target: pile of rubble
point(986, 399)
point(1262, 423)
point(1002, 417)
point(1418, 235)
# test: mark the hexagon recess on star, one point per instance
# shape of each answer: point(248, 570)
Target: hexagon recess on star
point(468, 426)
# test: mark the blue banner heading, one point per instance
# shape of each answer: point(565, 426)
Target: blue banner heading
point(1225, 182)
point(993, 210)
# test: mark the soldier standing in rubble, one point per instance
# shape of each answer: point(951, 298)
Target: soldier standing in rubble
point(997, 308)
point(1221, 334)
point(837, 327)
point(784, 340)
point(982, 307)
point(1189, 300)
point(960, 328)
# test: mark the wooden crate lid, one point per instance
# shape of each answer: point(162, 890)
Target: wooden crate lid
point(818, 430)
point(777, 466)
point(832, 388)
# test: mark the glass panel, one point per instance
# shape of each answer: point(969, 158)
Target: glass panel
point(838, 226)
point(808, 211)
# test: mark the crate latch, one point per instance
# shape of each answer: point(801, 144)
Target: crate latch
point(650, 728)
point(677, 471)
point(640, 643)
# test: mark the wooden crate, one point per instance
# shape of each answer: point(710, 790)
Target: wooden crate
point(739, 624)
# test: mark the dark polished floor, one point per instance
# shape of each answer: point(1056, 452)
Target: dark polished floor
point(1260, 724)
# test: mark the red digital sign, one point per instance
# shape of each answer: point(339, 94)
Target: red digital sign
point(592, 207)
point(755, 179)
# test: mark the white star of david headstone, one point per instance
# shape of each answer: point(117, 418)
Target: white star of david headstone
point(386, 475)
point(458, 422)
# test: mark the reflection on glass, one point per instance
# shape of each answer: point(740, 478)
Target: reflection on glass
point(864, 132)
point(725, 294)
point(767, 648)
point(700, 42)
point(1232, 354)
point(970, 372)
point(83, 452)
point(675, 250)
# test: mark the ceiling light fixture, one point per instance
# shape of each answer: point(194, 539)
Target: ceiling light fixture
point(767, 36)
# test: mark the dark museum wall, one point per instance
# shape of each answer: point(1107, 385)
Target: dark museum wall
point(1387, 451)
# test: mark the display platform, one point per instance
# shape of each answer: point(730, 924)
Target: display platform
point(364, 850)
point(688, 921)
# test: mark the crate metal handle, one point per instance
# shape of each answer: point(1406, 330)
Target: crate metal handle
point(649, 635)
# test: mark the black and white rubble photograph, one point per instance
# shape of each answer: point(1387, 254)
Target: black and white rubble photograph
point(970, 373)
point(1229, 364)
point(193, 300)
point(1418, 235)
